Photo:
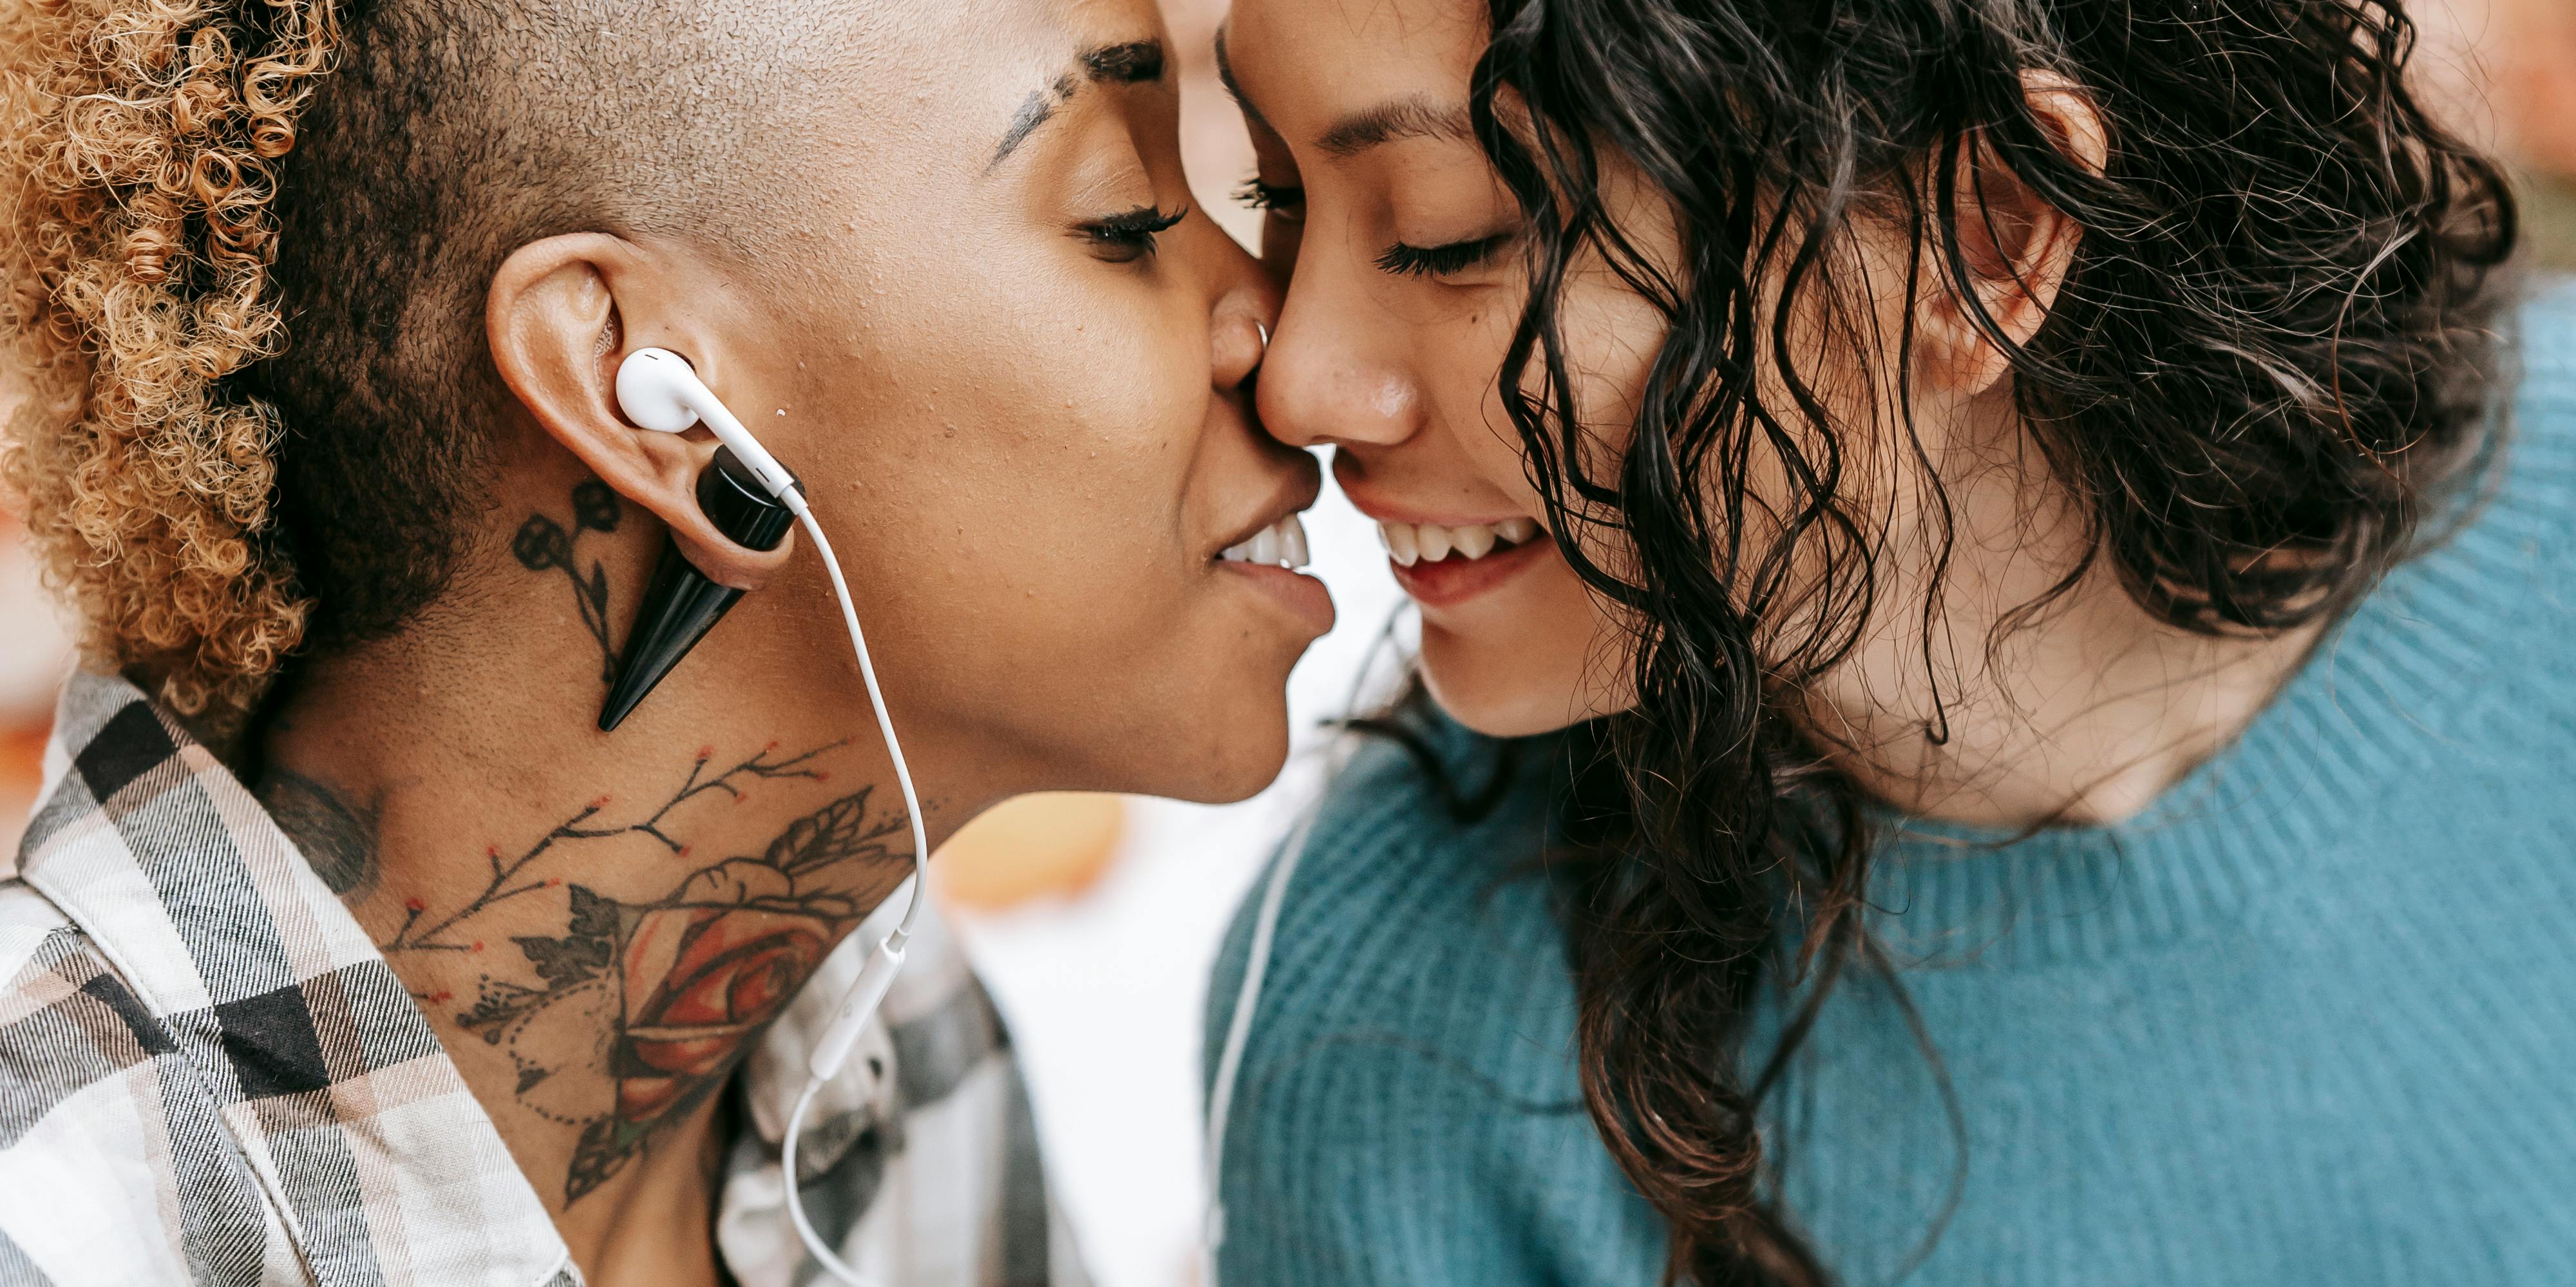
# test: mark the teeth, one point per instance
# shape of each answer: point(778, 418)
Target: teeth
point(1282, 543)
point(1398, 540)
point(1411, 543)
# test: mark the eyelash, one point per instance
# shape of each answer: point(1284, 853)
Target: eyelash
point(1416, 261)
point(1262, 196)
point(1440, 261)
point(1127, 237)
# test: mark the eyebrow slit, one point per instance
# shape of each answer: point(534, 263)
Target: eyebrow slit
point(1135, 62)
point(1035, 110)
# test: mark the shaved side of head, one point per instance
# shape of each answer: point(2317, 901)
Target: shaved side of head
point(449, 133)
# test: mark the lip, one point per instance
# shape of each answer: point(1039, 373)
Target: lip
point(1302, 597)
point(1385, 510)
point(1453, 581)
point(1294, 497)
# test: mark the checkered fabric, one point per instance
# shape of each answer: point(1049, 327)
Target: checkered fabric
point(208, 1074)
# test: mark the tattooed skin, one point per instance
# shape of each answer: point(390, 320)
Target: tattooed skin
point(338, 838)
point(542, 545)
point(637, 1009)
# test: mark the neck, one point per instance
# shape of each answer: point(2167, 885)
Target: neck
point(598, 926)
point(2083, 720)
point(2028, 706)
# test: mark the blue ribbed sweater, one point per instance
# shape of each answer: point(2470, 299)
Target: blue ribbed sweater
point(2309, 1020)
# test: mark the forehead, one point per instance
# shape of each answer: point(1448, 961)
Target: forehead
point(1333, 55)
point(975, 39)
point(922, 87)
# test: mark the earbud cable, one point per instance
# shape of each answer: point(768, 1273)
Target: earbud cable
point(876, 703)
point(864, 995)
point(1238, 1035)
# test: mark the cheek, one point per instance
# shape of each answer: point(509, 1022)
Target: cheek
point(1611, 336)
point(1461, 362)
point(1609, 339)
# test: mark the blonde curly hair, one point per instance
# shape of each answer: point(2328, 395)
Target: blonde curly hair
point(138, 144)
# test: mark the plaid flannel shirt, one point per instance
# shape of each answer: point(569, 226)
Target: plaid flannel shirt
point(209, 1074)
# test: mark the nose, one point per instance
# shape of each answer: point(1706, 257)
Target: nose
point(1239, 334)
point(1243, 303)
point(1329, 378)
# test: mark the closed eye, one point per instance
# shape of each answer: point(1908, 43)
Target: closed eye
point(1440, 261)
point(1128, 236)
point(1280, 200)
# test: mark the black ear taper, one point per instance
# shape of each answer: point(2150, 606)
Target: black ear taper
point(682, 605)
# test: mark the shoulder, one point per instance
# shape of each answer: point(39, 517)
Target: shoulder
point(1401, 914)
point(78, 1113)
point(68, 1020)
point(2493, 591)
point(1407, 1108)
point(27, 922)
point(2547, 335)
point(2542, 454)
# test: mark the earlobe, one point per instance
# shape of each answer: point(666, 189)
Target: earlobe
point(561, 315)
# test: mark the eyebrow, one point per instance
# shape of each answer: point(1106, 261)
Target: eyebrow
point(1413, 117)
point(1133, 62)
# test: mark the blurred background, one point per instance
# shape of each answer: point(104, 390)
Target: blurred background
point(1094, 918)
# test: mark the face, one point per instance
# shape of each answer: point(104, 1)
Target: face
point(1401, 252)
point(1012, 363)
point(1403, 258)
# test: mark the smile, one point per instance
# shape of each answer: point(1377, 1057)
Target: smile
point(1411, 543)
point(1282, 544)
point(1444, 565)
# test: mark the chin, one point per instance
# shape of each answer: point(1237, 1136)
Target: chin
point(1216, 752)
point(1498, 689)
point(1247, 762)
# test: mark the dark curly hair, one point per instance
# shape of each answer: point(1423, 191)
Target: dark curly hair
point(2267, 365)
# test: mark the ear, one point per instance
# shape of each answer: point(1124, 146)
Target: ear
point(559, 318)
point(2017, 247)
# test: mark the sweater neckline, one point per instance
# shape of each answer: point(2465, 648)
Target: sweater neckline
point(2383, 692)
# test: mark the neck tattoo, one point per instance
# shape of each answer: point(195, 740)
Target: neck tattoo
point(622, 1015)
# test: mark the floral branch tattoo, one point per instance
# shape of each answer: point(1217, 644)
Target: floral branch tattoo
point(678, 987)
point(413, 937)
point(639, 1010)
point(542, 545)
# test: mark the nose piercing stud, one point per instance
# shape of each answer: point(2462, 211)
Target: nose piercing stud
point(1264, 332)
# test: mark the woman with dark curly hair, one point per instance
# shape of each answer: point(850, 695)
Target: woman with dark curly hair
point(1997, 704)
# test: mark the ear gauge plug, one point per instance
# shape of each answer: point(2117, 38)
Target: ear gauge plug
point(682, 604)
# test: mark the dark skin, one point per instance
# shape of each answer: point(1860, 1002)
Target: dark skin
point(1013, 367)
point(629, 1020)
point(614, 965)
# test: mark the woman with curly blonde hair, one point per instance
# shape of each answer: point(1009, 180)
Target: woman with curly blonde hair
point(346, 947)
point(141, 145)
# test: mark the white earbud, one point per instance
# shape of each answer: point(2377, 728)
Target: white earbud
point(660, 391)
